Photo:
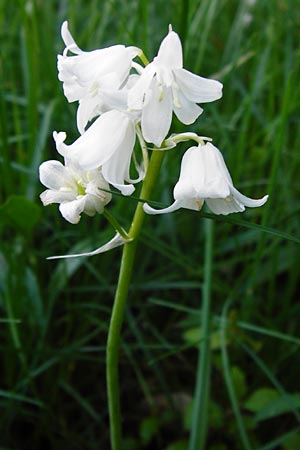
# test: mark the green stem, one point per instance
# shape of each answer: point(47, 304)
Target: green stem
point(114, 332)
point(143, 59)
point(201, 398)
point(111, 219)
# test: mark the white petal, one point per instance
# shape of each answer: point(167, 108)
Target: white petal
point(54, 175)
point(219, 161)
point(59, 137)
point(216, 181)
point(107, 65)
point(237, 199)
point(49, 196)
point(157, 114)
point(71, 211)
point(68, 38)
point(192, 203)
point(170, 52)
point(136, 95)
point(117, 62)
point(105, 101)
point(198, 89)
point(224, 205)
point(250, 202)
point(149, 210)
point(192, 176)
point(72, 89)
point(134, 51)
point(116, 170)
point(133, 78)
point(86, 112)
point(90, 67)
point(98, 143)
point(116, 241)
point(188, 111)
point(93, 205)
point(114, 99)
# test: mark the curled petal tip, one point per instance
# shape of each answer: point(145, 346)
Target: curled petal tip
point(127, 189)
point(263, 200)
point(64, 26)
point(149, 210)
point(134, 51)
point(65, 34)
point(68, 39)
point(59, 137)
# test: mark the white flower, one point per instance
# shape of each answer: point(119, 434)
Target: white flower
point(205, 177)
point(108, 143)
point(164, 86)
point(88, 76)
point(76, 191)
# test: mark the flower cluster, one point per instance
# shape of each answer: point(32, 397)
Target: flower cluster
point(121, 101)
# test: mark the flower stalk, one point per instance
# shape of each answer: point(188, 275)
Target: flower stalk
point(114, 333)
point(201, 397)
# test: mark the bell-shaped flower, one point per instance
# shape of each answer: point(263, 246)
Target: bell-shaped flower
point(108, 143)
point(87, 76)
point(204, 177)
point(75, 190)
point(165, 86)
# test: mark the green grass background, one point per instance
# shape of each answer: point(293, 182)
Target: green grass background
point(54, 314)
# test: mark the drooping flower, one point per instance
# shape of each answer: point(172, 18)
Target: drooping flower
point(88, 77)
point(165, 86)
point(74, 190)
point(204, 177)
point(108, 143)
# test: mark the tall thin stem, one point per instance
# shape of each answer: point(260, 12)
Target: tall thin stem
point(201, 397)
point(114, 332)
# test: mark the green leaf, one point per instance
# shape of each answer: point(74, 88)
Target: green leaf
point(268, 403)
point(278, 406)
point(20, 213)
point(149, 428)
point(260, 398)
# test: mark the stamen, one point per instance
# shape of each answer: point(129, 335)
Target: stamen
point(199, 202)
point(160, 93)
